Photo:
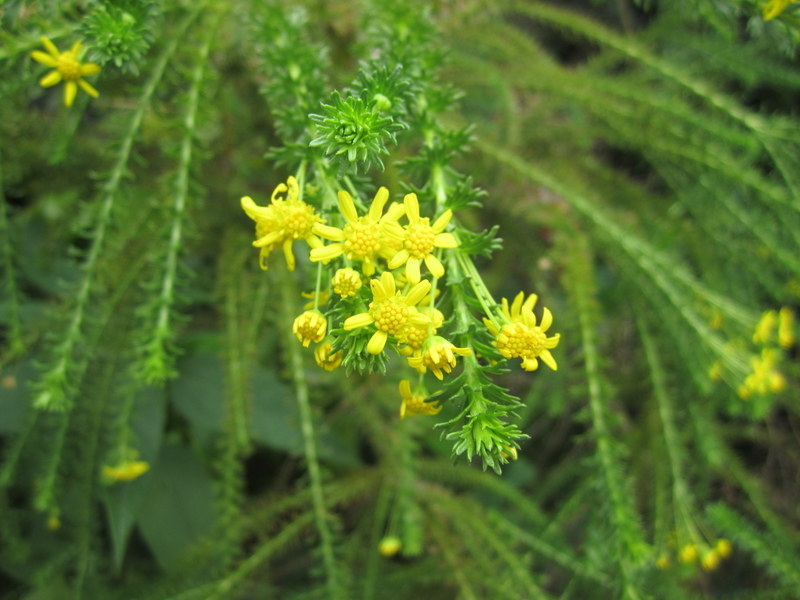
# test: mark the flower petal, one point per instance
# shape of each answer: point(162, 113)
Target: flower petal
point(445, 240)
point(398, 259)
point(268, 240)
point(76, 48)
point(70, 89)
point(418, 318)
point(412, 270)
point(288, 254)
point(88, 88)
point(44, 58)
point(388, 284)
point(412, 207)
point(376, 208)
point(52, 78)
point(377, 342)
point(548, 359)
point(418, 292)
point(347, 207)
point(50, 47)
point(359, 320)
point(405, 388)
point(440, 223)
point(552, 342)
point(434, 265)
point(517, 305)
point(329, 233)
point(328, 252)
point(90, 69)
point(396, 210)
point(530, 302)
point(547, 319)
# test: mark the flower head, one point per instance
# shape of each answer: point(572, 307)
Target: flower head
point(774, 8)
point(362, 238)
point(310, 327)
point(420, 240)
point(439, 356)
point(390, 545)
point(390, 311)
point(325, 357)
point(521, 337)
point(67, 68)
point(346, 282)
point(415, 404)
point(786, 328)
point(284, 220)
point(413, 337)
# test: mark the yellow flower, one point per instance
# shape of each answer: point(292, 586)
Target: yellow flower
point(389, 546)
point(438, 355)
point(324, 358)
point(723, 548)
point(67, 68)
point(310, 327)
point(389, 311)
point(688, 554)
point(362, 238)
point(126, 471)
point(413, 337)
point(420, 239)
point(415, 404)
point(774, 8)
point(786, 328)
point(663, 562)
point(283, 221)
point(521, 337)
point(765, 327)
point(765, 378)
point(510, 452)
point(346, 282)
point(710, 560)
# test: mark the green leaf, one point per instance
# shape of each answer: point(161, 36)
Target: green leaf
point(198, 395)
point(178, 509)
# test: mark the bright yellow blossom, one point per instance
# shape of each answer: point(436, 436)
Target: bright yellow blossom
point(67, 68)
point(688, 554)
point(415, 404)
point(390, 311)
point(413, 337)
point(389, 546)
point(126, 471)
point(310, 327)
point(420, 240)
point(283, 221)
point(362, 238)
point(723, 548)
point(346, 282)
point(521, 337)
point(439, 356)
point(325, 358)
point(765, 327)
point(710, 560)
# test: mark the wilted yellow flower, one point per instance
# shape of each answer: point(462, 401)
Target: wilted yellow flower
point(362, 238)
point(310, 327)
point(325, 358)
point(284, 220)
point(67, 68)
point(414, 404)
point(521, 337)
point(389, 311)
point(420, 240)
point(438, 355)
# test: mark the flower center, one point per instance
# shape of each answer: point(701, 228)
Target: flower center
point(298, 221)
point(362, 239)
point(390, 315)
point(519, 340)
point(416, 336)
point(420, 238)
point(68, 66)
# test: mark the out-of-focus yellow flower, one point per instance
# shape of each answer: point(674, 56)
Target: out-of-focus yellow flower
point(786, 327)
point(389, 546)
point(68, 69)
point(765, 327)
point(125, 471)
point(774, 8)
point(325, 358)
point(724, 548)
point(688, 554)
point(415, 404)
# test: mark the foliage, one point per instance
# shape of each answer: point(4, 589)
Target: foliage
point(165, 434)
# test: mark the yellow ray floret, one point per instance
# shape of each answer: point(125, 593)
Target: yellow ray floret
point(415, 404)
point(362, 238)
point(420, 240)
point(521, 336)
point(67, 68)
point(390, 311)
point(284, 220)
point(774, 8)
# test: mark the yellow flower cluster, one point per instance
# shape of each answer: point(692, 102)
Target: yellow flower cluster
point(774, 332)
point(385, 250)
point(709, 555)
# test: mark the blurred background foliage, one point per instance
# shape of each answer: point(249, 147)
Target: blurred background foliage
point(642, 162)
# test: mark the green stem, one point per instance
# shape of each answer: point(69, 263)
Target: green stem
point(321, 517)
point(14, 320)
